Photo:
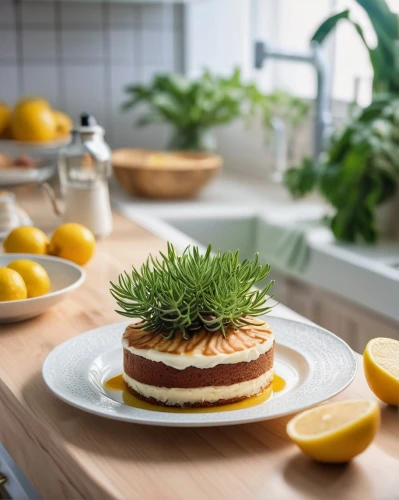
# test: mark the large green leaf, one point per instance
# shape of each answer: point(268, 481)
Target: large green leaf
point(328, 25)
point(384, 57)
point(383, 20)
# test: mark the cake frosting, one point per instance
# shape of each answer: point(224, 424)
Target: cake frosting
point(203, 350)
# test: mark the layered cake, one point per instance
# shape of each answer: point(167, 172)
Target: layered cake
point(207, 370)
point(197, 339)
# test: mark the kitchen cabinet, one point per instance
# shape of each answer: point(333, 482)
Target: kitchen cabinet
point(354, 324)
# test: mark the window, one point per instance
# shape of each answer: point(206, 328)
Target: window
point(231, 26)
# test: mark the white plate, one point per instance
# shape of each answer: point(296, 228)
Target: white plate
point(44, 152)
point(315, 363)
point(15, 176)
point(65, 276)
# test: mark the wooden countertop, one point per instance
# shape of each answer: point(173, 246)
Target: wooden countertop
point(67, 453)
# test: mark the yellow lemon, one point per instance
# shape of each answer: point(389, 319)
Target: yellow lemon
point(73, 242)
point(30, 98)
point(26, 239)
point(35, 276)
point(336, 432)
point(12, 286)
point(381, 367)
point(63, 123)
point(33, 120)
point(5, 115)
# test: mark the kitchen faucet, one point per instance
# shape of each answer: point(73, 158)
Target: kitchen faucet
point(315, 57)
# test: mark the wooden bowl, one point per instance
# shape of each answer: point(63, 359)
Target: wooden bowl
point(164, 175)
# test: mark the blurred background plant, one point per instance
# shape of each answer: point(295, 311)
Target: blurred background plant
point(193, 108)
point(360, 169)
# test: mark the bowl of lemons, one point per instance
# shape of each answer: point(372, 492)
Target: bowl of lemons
point(37, 272)
point(30, 284)
point(31, 134)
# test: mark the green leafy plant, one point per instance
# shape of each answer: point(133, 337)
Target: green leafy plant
point(194, 107)
point(192, 291)
point(361, 167)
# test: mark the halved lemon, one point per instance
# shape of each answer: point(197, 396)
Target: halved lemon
point(336, 432)
point(381, 367)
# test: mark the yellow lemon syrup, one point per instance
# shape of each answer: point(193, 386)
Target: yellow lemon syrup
point(118, 384)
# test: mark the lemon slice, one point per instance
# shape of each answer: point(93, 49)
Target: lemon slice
point(381, 367)
point(336, 432)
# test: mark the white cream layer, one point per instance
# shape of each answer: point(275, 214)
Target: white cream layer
point(182, 361)
point(211, 394)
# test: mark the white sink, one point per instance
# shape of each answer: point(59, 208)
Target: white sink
point(363, 274)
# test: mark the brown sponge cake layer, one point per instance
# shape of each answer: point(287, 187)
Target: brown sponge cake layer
point(158, 374)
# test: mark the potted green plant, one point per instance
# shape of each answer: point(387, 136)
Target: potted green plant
point(360, 170)
point(193, 108)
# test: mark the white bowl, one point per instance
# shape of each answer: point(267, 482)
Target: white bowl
point(65, 276)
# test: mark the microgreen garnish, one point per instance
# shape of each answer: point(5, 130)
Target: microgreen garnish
point(192, 291)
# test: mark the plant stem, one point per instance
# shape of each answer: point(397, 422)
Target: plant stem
point(192, 139)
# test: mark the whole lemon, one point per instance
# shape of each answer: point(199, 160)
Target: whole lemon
point(63, 124)
point(73, 242)
point(30, 98)
point(35, 276)
point(33, 120)
point(26, 239)
point(12, 286)
point(5, 115)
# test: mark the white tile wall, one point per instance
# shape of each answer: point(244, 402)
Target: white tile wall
point(41, 78)
point(157, 47)
point(123, 14)
point(123, 45)
point(77, 14)
point(122, 126)
point(8, 82)
point(7, 14)
point(81, 55)
point(157, 15)
point(38, 45)
point(86, 44)
point(84, 89)
point(37, 14)
point(8, 44)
